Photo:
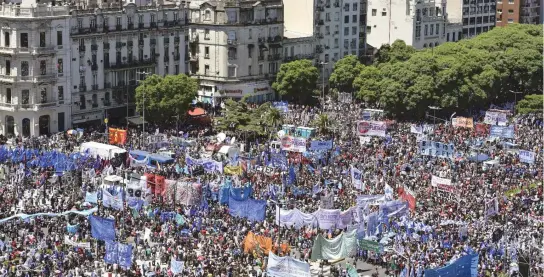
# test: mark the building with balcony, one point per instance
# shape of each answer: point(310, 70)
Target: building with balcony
point(235, 48)
point(111, 49)
point(298, 46)
point(34, 69)
point(519, 11)
point(421, 24)
point(335, 24)
point(477, 16)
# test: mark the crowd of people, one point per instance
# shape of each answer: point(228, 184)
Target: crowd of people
point(495, 210)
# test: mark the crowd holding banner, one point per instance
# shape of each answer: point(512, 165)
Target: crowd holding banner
point(404, 197)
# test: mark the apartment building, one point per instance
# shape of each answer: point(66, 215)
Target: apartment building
point(421, 24)
point(336, 25)
point(298, 46)
point(519, 11)
point(478, 16)
point(235, 48)
point(115, 46)
point(34, 69)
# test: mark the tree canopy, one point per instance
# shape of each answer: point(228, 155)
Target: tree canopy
point(296, 80)
point(345, 71)
point(166, 97)
point(239, 118)
point(456, 76)
point(530, 104)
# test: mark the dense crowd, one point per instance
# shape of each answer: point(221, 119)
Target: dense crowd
point(210, 241)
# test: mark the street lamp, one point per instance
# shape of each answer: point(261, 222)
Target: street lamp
point(323, 84)
point(434, 108)
point(143, 107)
point(515, 99)
point(280, 204)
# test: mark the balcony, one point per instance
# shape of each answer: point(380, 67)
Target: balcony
point(106, 46)
point(261, 58)
point(141, 42)
point(262, 40)
point(166, 40)
point(130, 43)
point(105, 27)
point(130, 26)
point(119, 44)
point(141, 25)
point(93, 28)
point(43, 50)
point(118, 27)
point(193, 57)
point(132, 64)
point(8, 78)
point(153, 41)
point(153, 25)
point(94, 47)
point(232, 42)
point(319, 22)
point(106, 103)
point(82, 87)
point(274, 57)
point(176, 40)
point(176, 57)
point(82, 48)
point(94, 87)
point(319, 49)
point(46, 105)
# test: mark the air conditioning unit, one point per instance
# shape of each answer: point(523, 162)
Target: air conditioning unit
point(229, 41)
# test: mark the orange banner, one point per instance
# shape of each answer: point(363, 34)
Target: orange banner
point(117, 136)
point(260, 244)
point(465, 122)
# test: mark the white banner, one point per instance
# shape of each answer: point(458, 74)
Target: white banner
point(85, 245)
point(527, 156)
point(495, 118)
point(442, 184)
point(364, 140)
point(371, 128)
point(286, 267)
point(327, 219)
point(294, 144)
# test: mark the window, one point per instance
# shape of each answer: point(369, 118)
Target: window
point(8, 67)
point(510, 11)
point(43, 95)
point(24, 40)
point(374, 11)
point(354, 7)
point(93, 23)
point(207, 15)
point(448, 37)
point(328, 17)
point(326, 58)
point(426, 32)
point(206, 34)
point(59, 66)
point(250, 35)
point(118, 21)
point(24, 68)
point(510, 20)
point(336, 43)
point(82, 102)
point(418, 31)
point(346, 43)
point(432, 29)
point(260, 69)
point(353, 31)
point(25, 97)
point(368, 29)
point(384, 13)
point(140, 18)
point(437, 29)
point(354, 18)
point(346, 19)
point(80, 23)
point(272, 68)
point(42, 39)
point(346, 31)
point(327, 30)
point(249, 70)
point(6, 39)
point(232, 71)
point(207, 69)
point(431, 12)
point(425, 45)
point(82, 81)
point(8, 95)
point(60, 93)
point(346, 7)
point(510, 1)
point(152, 18)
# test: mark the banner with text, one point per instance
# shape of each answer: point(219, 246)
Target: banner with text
point(371, 128)
point(442, 184)
point(294, 144)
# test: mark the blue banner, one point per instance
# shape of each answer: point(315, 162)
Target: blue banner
point(282, 106)
point(526, 156)
point(72, 229)
point(102, 228)
point(321, 145)
point(436, 149)
point(466, 266)
point(166, 216)
point(176, 266)
point(251, 209)
point(112, 201)
point(502, 131)
point(239, 194)
point(118, 253)
point(91, 197)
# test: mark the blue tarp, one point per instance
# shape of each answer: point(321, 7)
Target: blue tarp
point(160, 159)
point(139, 154)
point(466, 266)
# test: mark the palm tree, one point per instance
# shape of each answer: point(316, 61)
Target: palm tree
point(322, 123)
point(274, 117)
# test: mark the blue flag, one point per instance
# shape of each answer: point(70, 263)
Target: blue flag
point(466, 266)
point(251, 209)
point(72, 229)
point(292, 175)
point(118, 253)
point(102, 228)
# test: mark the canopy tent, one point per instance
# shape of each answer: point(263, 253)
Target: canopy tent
point(197, 112)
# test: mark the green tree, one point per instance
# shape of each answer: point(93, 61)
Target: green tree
point(396, 52)
point(239, 118)
point(296, 80)
point(345, 72)
point(530, 104)
point(165, 97)
point(469, 74)
point(322, 123)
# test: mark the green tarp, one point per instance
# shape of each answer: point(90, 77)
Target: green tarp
point(340, 247)
point(370, 245)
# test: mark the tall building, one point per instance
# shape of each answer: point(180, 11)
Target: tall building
point(115, 46)
point(235, 48)
point(478, 16)
point(421, 24)
point(34, 69)
point(519, 11)
point(334, 23)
